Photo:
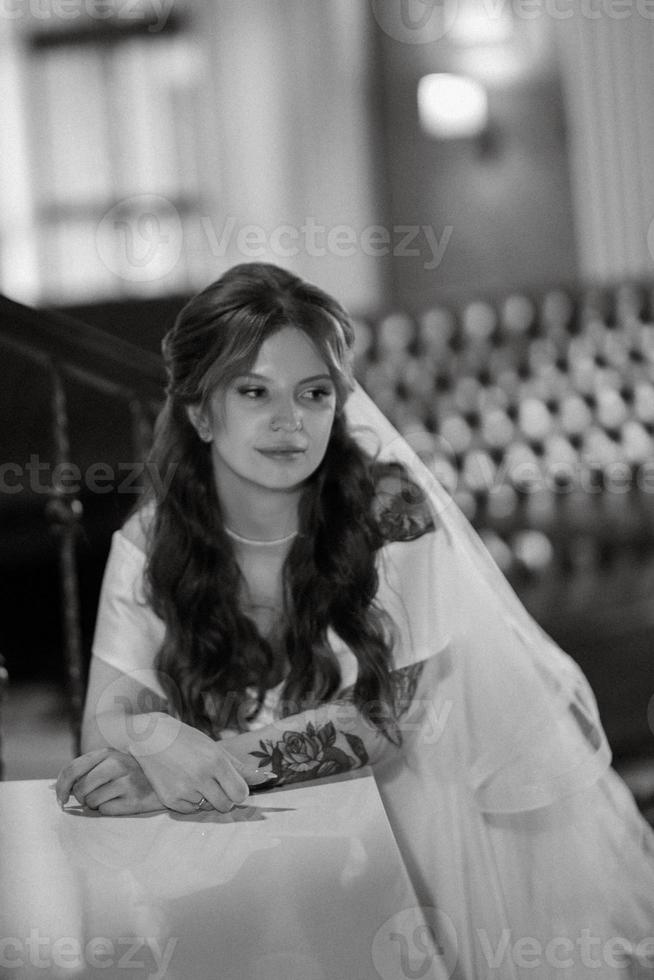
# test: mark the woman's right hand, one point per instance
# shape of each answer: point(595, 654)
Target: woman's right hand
point(183, 765)
point(109, 781)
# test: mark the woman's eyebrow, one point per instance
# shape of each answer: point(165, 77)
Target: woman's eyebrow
point(262, 377)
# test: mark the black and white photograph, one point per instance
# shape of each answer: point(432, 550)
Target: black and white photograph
point(327, 489)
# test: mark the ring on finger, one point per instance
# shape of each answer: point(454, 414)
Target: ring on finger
point(203, 804)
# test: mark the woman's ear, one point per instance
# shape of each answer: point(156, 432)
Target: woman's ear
point(198, 419)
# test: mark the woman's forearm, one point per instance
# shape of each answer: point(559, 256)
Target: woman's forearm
point(143, 732)
point(332, 738)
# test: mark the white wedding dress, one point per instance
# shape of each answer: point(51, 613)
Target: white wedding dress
point(525, 848)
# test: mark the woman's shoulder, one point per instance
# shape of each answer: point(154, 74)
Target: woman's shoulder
point(401, 507)
point(136, 528)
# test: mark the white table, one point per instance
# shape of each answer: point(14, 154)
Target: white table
point(302, 883)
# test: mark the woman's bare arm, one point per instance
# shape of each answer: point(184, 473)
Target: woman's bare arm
point(180, 763)
point(117, 708)
point(334, 737)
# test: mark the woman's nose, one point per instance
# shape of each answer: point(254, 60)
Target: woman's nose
point(287, 418)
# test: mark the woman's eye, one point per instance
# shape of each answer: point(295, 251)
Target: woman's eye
point(251, 392)
point(318, 394)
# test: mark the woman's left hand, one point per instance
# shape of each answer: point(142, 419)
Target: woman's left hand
point(109, 781)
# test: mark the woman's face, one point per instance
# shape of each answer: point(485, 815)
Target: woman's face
point(270, 428)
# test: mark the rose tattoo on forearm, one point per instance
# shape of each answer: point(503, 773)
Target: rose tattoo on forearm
point(311, 754)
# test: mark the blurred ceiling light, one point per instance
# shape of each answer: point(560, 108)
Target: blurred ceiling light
point(452, 106)
point(475, 24)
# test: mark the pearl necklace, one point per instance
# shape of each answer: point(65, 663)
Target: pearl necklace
point(239, 537)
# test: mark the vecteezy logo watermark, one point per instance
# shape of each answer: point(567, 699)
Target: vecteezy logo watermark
point(154, 13)
point(423, 719)
point(565, 9)
point(68, 953)
point(425, 21)
point(41, 477)
point(564, 953)
point(140, 238)
point(318, 240)
point(139, 721)
point(418, 943)
point(415, 21)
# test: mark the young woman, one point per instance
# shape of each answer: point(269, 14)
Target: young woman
point(304, 599)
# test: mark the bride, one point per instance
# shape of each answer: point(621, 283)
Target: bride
point(305, 599)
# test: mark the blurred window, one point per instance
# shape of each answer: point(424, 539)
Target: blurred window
point(111, 149)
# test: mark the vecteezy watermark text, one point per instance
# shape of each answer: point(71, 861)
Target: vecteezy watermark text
point(422, 942)
point(427, 21)
point(562, 952)
point(318, 240)
point(41, 952)
point(424, 718)
point(154, 13)
point(141, 239)
point(565, 9)
point(42, 477)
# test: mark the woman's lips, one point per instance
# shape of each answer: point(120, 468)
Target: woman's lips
point(285, 455)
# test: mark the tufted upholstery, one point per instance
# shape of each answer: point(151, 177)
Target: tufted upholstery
point(536, 415)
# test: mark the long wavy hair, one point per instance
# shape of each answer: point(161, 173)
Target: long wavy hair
point(213, 652)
